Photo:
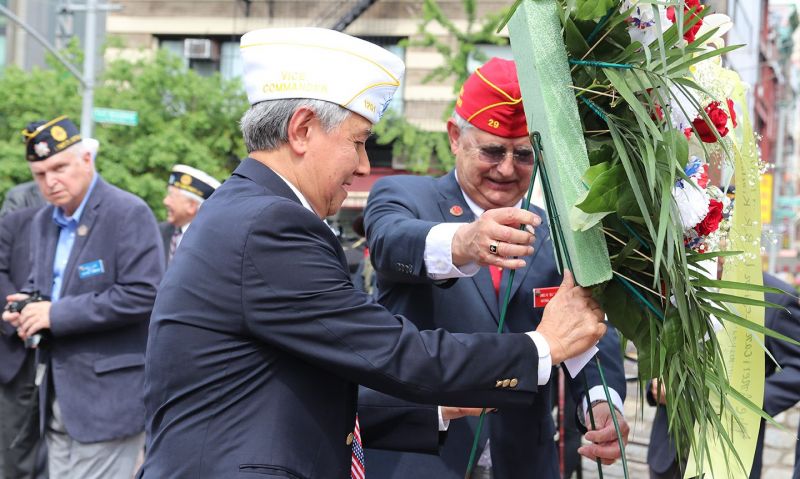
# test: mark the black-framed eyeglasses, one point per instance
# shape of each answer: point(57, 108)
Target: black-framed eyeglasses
point(496, 154)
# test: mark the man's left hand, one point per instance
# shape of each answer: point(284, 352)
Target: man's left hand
point(34, 318)
point(604, 439)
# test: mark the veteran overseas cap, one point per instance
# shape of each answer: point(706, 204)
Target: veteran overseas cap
point(44, 139)
point(491, 100)
point(192, 181)
point(315, 63)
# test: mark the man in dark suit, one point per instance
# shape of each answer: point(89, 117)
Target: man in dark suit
point(19, 427)
point(19, 431)
point(187, 188)
point(446, 228)
point(96, 254)
point(781, 389)
point(23, 195)
point(258, 338)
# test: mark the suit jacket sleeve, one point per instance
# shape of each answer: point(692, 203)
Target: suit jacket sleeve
point(395, 233)
point(391, 423)
point(311, 310)
point(781, 390)
point(139, 270)
point(14, 200)
point(6, 284)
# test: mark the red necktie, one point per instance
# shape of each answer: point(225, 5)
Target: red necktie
point(357, 462)
point(497, 275)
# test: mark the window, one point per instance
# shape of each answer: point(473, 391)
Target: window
point(207, 56)
point(230, 61)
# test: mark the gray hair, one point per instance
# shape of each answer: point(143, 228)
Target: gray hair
point(84, 146)
point(265, 126)
point(461, 123)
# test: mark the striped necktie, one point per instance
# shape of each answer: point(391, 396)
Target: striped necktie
point(357, 462)
point(173, 243)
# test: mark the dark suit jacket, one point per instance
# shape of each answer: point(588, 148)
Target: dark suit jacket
point(166, 229)
point(15, 266)
point(400, 212)
point(781, 389)
point(24, 195)
point(258, 340)
point(99, 324)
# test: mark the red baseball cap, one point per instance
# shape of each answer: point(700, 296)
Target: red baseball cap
point(491, 100)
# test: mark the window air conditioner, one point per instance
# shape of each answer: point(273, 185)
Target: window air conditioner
point(199, 49)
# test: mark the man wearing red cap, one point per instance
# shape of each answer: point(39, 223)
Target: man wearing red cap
point(445, 245)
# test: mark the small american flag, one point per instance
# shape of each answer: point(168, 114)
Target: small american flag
point(357, 462)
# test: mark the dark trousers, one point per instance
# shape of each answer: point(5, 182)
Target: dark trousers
point(19, 423)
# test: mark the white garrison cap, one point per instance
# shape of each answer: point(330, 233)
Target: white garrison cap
point(283, 63)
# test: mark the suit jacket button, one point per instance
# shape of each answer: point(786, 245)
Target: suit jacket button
point(349, 440)
point(506, 382)
point(499, 383)
point(514, 382)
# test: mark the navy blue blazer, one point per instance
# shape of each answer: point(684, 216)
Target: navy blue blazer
point(400, 212)
point(99, 324)
point(15, 266)
point(166, 229)
point(258, 341)
point(781, 388)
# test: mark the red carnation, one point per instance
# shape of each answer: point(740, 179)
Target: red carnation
point(702, 181)
point(732, 112)
point(710, 223)
point(690, 10)
point(718, 118)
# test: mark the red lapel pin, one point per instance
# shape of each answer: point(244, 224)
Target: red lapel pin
point(456, 210)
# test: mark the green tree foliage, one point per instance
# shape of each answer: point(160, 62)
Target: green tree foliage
point(183, 118)
point(456, 56)
point(421, 151)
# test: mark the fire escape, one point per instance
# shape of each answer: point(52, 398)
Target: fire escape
point(333, 19)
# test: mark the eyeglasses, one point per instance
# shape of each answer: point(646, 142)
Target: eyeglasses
point(496, 154)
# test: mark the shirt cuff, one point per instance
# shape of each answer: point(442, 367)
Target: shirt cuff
point(597, 394)
point(439, 254)
point(443, 423)
point(545, 362)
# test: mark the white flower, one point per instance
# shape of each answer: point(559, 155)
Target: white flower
point(682, 110)
point(642, 22)
point(693, 203)
point(710, 22)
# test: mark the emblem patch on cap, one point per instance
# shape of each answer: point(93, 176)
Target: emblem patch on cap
point(186, 180)
point(58, 133)
point(41, 149)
